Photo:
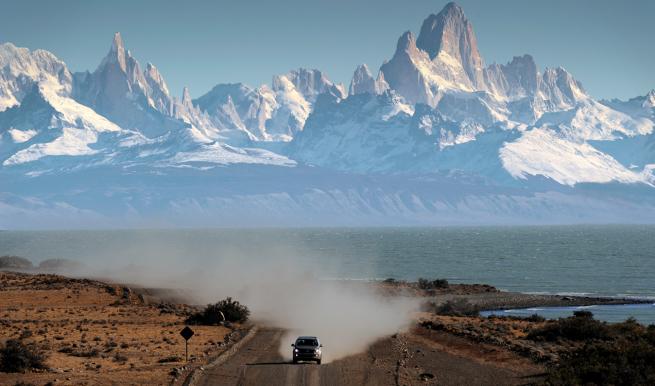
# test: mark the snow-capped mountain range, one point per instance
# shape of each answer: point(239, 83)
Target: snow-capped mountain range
point(435, 113)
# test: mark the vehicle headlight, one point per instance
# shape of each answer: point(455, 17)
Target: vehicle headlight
point(296, 350)
point(318, 350)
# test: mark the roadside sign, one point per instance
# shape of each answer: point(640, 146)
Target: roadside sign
point(187, 333)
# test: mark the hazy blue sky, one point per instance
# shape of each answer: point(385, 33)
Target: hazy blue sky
point(607, 45)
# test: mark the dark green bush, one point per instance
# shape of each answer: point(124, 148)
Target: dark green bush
point(580, 327)
point(425, 284)
point(457, 307)
point(233, 311)
point(16, 357)
point(15, 262)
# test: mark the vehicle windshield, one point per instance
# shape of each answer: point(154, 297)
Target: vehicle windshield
point(306, 342)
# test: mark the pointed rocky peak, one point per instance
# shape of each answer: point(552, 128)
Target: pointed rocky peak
point(522, 74)
point(116, 53)
point(449, 31)
point(382, 84)
point(312, 81)
point(362, 81)
point(561, 87)
point(154, 79)
point(571, 87)
point(650, 99)
point(406, 45)
point(308, 82)
point(364, 68)
point(186, 99)
point(117, 43)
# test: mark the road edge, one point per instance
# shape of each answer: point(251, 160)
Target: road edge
point(195, 373)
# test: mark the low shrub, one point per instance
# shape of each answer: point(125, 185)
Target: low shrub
point(120, 358)
point(92, 353)
point(457, 307)
point(425, 284)
point(15, 262)
point(580, 327)
point(232, 311)
point(26, 334)
point(534, 318)
point(16, 357)
point(613, 354)
point(170, 359)
point(619, 363)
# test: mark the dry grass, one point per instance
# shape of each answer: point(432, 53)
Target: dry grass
point(96, 333)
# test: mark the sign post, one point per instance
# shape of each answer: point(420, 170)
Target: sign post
point(187, 333)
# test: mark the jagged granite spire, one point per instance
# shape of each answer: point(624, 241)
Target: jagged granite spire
point(451, 33)
point(186, 99)
point(116, 53)
point(363, 81)
point(154, 79)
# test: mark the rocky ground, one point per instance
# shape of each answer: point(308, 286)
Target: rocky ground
point(100, 334)
point(103, 334)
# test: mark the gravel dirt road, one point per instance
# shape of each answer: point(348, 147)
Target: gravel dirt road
point(419, 357)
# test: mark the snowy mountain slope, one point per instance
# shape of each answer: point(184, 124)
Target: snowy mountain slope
point(49, 133)
point(577, 161)
point(385, 133)
point(48, 124)
point(592, 120)
point(273, 113)
point(20, 70)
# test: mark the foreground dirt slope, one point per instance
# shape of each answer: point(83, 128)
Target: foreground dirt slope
point(99, 334)
point(418, 356)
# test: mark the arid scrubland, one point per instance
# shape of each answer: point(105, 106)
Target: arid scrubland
point(94, 333)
